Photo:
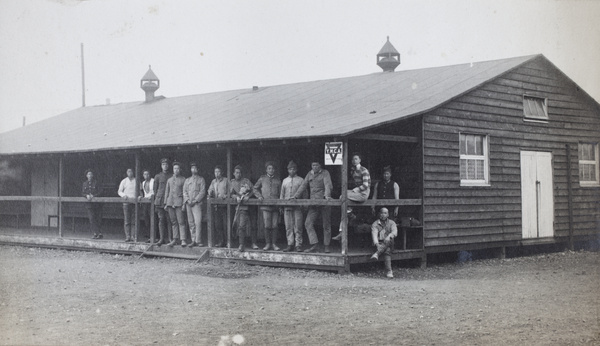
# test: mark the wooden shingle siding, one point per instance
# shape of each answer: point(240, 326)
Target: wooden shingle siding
point(455, 215)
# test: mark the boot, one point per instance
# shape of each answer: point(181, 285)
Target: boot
point(312, 248)
point(288, 248)
point(267, 247)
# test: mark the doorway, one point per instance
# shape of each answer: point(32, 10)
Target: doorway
point(537, 194)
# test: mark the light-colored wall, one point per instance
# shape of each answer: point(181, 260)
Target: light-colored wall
point(44, 182)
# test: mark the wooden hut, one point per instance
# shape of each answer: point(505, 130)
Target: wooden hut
point(487, 155)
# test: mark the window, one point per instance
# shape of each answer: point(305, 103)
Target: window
point(535, 108)
point(588, 164)
point(474, 163)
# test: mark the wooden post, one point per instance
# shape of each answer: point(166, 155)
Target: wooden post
point(570, 197)
point(229, 202)
point(209, 223)
point(152, 223)
point(60, 188)
point(137, 193)
point(344, 207)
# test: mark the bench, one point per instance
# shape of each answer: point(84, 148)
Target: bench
point(74, 211)
point(18, 209)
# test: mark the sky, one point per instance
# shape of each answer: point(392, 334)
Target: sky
point(198, 47)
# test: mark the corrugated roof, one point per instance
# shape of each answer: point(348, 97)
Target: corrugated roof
point(334, 107)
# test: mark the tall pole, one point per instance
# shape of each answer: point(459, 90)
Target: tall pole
point(60, 188)
point(137, 193)
point(82, 78)
point(228, 203)
point(344, 221)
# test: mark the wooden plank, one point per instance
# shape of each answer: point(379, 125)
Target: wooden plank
point(387, 138)
point(64, 199)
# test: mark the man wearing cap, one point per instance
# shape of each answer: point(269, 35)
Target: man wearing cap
point(146, 194)
point(241, 189)
point(160, 185)
point(174, 205)
point(269, 186)
point(318, 182)
point(387, 189)
point(219, 189)
point(194, 191)
point(383, 232)
point(292, 215)
point(92, 189)
point(127, 193)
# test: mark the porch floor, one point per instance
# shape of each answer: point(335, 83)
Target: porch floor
point(113, 243)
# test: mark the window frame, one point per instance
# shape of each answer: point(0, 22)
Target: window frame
point(533, 118)
point(595, 162)
point(486, 160)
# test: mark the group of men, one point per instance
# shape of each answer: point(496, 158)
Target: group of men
point(178, 201)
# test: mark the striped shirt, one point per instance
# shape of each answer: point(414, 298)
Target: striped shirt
point(361, 177)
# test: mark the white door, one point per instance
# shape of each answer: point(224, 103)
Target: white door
point(536, 194)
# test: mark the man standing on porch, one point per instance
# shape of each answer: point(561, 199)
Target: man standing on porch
point(319, 181)
point(146, 193)
point(92, 189)
point(241, 189)
point(268, 186)
point(194, 190)
point(174, 205)
point(127, 192)
point(160, 185)
point(292, 215)
point(219, 189)
point(383, 232)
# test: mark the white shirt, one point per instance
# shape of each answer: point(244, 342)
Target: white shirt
point(127, 188)
point(150, 187)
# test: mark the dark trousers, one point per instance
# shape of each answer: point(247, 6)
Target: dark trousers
point(146, 216)
point(128, 216)
point(220, 224)
point(94, 212)
point(164, 224)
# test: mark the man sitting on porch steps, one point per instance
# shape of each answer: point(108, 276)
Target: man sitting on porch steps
point(383, 232)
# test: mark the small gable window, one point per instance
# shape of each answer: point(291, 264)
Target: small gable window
point(535, 108)
point(588, 164)
point(474, 162)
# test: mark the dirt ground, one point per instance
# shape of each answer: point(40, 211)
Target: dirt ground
point(54, 297)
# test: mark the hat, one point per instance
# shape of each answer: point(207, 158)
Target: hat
point(292, 164)
point(175, 163)
point(88, 170)
point(164, 160)
point(238, 167)
point(387, 169)
point(269, 163)
point(193, 164)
